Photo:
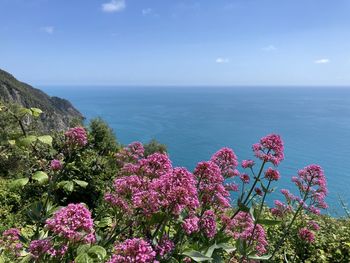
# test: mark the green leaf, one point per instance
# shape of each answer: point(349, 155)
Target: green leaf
point(98, 251)
point(27, 258)
point(197, 256)
point(83, 249)
point(12, 142)
point(25, 111)
point(26, 141)
point(226, 247)
point(81, 183)
point(83, 258)
point(41, 177)
point(255, 257)
point(269, 222)
point(106, 221)
point(19, 183)
point(36, 112)
point(47, 139)
point(66, 185)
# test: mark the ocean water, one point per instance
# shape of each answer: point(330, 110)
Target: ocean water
point(194, 122)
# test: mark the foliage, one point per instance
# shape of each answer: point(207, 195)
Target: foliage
point(79, 196)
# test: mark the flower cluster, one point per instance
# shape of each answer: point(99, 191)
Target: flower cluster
point(165, 246)
point(73, 223)
point(226, 159)
point(130, 154)
point(270, 149)
point(210, 185)
point(10, 241)
point(306, 235)
point(281, 209)
point(190, 225)
point(208, 223)
point(134, 250)
point(56, 165)
point(242, 227)
point(272, 174)
point(40, 247)
point(311, 182)
point(76, 136)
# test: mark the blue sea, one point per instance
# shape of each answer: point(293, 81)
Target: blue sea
point(194, 122)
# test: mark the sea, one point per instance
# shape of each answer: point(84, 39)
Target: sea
point(195, 122)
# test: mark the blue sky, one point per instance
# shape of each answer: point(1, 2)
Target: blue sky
point(176, 42)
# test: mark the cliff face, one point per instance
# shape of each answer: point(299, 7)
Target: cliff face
point(58, 112)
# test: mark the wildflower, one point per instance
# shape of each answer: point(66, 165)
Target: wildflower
point(270, 149)
point(312, 180)
point(210, 184)
point(241, 227)
point(40, 247)
point(258, 191)
point(226, 160)
point(313, 225)
point(245, 178)
point(74, 223)
point(208, 223)
point(10, 241)
point(280, 209)
point(247, 164)
point(134, 250)
point(76, 136)
point(190, 225)
point(306, 235)
point(55, 165)
point(272, 175)
point(130, 154)
point(232, 187)
point(165, 246)
point(154, 165)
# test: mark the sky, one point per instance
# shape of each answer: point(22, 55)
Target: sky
point(176, 42)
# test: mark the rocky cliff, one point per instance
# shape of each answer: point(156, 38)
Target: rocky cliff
point(58, 112)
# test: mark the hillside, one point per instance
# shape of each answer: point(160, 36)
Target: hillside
point(58, 112)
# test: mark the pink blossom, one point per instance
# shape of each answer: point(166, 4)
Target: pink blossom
point(306, 235)
point(130, 154)
point(272, 174)
point(232, 187)
point(208, 223)
point(210, 185)
point(190, 225)
point(281, 209)
point(73, 223)
point(245, 178)
point(134, 250)
point(258, 191)
point(226, 160)
point(270, 149)
point(165, 246)
point(76, 136)
point(10, 241)
point(55, 165)
point(40, 247)
point(241, 227)
point(247, 164)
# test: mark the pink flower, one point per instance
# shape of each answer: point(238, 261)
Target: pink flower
point(55, 165)
point(165, 246)
point(73, 223)
point(210, 185)
point(134, 250)
point(232, 187)
point(130, 154)
point(247, 164)
point(10, 241)
point(313, 225)
point(208, 223)
point(270, 149)
point(306, 235)
point(272, 174)
point(258, 191)
point(76, 136)
point(40, 247)
point(245, 178)
point(241, 227)
point(281, 209)
point(312, 179)
point(226, 160)
point(190, 225)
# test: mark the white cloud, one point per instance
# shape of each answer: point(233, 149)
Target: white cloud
point(269, 48)
point(222, 60)
point(322, 61)
point(114, 6)
point(147, 11)
point(48, 29)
